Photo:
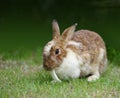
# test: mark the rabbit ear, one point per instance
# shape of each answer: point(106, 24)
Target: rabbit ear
point(56, 30)
point(68, 33)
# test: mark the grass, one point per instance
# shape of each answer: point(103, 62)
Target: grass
point(20, 77)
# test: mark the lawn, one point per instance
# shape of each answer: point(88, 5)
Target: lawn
point(21, 77)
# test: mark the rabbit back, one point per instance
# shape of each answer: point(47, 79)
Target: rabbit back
point(92, 48)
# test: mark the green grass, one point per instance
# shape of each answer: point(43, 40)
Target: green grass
point(20, 77)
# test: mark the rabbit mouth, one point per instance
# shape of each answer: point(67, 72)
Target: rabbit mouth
point(47, 68)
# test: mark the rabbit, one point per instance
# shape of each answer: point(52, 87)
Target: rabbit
point(74, 54)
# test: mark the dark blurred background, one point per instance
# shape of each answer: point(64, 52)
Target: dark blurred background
point(27, 23)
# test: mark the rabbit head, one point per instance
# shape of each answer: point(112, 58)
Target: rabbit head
point(55, 51)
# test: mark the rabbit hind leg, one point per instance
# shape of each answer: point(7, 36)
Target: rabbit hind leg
point(94, 77)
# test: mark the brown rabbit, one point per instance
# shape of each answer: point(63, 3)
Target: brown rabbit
point(74, 54)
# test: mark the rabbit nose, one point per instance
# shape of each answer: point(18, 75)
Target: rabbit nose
point(45, 66)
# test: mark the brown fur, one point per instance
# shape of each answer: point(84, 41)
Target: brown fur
point(91, 44)
point(89, 51)
point(49, 63)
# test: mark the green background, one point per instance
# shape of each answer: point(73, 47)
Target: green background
point(27, 23)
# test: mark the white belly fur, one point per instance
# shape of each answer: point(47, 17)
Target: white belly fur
point(71, 67)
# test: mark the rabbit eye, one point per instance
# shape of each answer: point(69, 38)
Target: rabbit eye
point(57, 51)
